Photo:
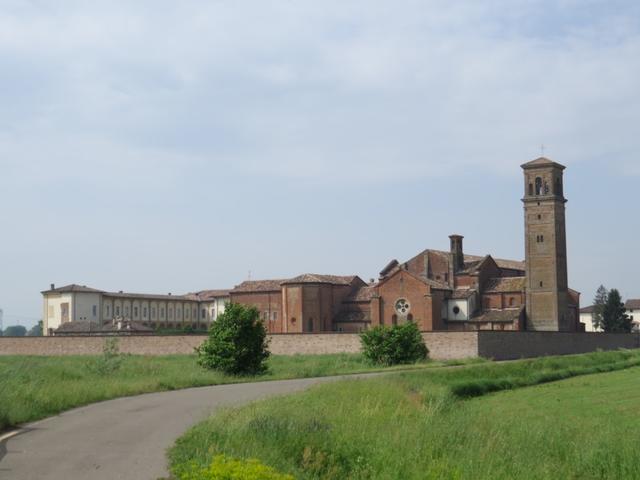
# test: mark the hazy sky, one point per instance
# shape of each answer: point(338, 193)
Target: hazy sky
point(162, 146)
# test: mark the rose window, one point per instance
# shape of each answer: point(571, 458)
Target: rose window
point(403, 307)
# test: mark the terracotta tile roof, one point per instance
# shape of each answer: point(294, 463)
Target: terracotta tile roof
point(509, 315)
point(362, 294)
point(462, 293)
point(73, 288)
point(505, 284)
point(632, 304)
point(315, 278)
point(501, 262)
point(250, 286)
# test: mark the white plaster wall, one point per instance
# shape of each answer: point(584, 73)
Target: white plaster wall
point(463, 305)
point(83, 308)
point(52, 310)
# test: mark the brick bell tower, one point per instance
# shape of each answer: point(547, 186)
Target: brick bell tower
point(546, 246)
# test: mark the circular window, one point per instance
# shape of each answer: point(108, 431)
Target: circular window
point(403, 307)
point(456, 310)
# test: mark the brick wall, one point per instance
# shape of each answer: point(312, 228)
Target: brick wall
point(442, 345)
point(514, 345)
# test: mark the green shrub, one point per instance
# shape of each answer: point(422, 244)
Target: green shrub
point(223, 468)
point(395, 345)
point(237, 343)
point(111, 359)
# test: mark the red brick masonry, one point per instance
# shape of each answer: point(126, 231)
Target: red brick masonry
point(442, 345)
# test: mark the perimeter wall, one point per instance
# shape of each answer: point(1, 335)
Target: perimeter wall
point(442, 345)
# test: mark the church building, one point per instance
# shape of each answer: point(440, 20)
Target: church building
point(442, 290)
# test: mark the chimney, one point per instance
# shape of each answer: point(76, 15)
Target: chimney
point(53, 286)
point(457, 253)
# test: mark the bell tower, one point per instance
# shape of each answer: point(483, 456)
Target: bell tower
point(546, 246)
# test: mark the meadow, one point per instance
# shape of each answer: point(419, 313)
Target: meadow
point(35, 387)
point(489, 421)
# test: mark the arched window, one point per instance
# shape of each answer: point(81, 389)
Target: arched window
point(538, 186)
point(512, 302)
point(410, 318)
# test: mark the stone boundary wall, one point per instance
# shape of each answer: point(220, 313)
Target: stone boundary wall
point(514, 345)
point(442, 345)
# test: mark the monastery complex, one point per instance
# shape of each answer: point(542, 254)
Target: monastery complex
point(438, 290)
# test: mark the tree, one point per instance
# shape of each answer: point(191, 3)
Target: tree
point(614, 316)
point(15, 331)
point(599, 303)
point(395, 345)
point(36, 331)
point(237, 343)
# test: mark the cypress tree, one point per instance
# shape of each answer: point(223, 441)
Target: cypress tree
point(614, 314)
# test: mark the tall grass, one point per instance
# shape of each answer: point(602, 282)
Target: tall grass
point(36, 387)
point(426, 425)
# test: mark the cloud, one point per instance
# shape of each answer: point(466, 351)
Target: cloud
point(307, 89)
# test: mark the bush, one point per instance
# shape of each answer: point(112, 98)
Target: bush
point(395, 345)
point(110, 361)
point(237, 343)
point(223, 468)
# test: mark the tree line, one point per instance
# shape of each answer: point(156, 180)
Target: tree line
point(609, 312)
point(20, 331)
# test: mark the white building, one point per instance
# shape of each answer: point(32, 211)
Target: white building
point(76, 303)
point(633, 310)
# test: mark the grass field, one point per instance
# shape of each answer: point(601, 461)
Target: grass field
point(36, 387)
point(424, 425)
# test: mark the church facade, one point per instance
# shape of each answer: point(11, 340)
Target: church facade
point(442, 290)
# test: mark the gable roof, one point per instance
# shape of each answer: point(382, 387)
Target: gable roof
point(362, 294)
point(426, 281)
point(506, 285)
point(508, 315)
point(632, 304)
point(315, 278)
point(250, 286)
point(73, 288)
point(205, 295)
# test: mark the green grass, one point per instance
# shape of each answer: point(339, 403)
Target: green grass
point(33, 387)
point(443, 423)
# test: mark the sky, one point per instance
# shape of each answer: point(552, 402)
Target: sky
point(159, 146)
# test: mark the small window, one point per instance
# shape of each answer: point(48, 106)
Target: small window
point(135, 311)
point(108, 313)
point(541, 284)
point(126, 311)
point(539, 217)
point(144, 312)
point(203, 314)
point(456, 310)
point(275, 316)
point(512, 302)
point(117, 311)
point(162, 313)
point(170, 313)
point(410, 318)
point(95, 310)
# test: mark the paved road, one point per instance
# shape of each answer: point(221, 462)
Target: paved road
point(124, 438)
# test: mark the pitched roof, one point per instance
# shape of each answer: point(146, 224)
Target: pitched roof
point(362, 294)
point(505, 284)
point(73, 288)
point(315, 278)
point(632, 304)
point(250, 286)
point(508, 315)
point(83, 327)
point(352, 317)
point(462, 293)
point(501, 262)
point(589, 309)
point(542, 162)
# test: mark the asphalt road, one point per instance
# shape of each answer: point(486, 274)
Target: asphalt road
point(126, 438)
